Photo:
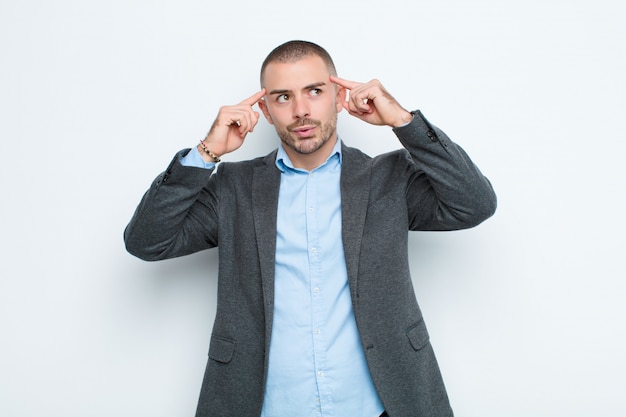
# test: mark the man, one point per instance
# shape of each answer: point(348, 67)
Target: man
point(316, 313)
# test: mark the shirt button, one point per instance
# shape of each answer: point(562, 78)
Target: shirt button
point(311, 209)
point(320, 373)
point(316, 290)
point(318, 331)
point(314, 250)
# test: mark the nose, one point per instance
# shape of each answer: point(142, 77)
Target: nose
point(301, 108)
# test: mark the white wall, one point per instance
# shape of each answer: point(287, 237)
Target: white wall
point(526, 312)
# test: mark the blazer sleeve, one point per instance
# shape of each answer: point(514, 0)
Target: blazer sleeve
point(446, 190)
point(177, 215)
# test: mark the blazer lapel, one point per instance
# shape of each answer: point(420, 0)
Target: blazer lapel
point(265, 187)
point(355, 180)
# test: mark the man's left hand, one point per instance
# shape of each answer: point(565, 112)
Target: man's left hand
point(373, 104)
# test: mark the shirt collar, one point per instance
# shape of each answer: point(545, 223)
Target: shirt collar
point(284, 163)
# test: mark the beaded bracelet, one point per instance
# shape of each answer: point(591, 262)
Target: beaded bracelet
point(216, 158)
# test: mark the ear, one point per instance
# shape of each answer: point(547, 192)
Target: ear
point(266, 112)
point(340, 98)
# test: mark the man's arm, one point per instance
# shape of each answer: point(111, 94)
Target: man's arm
point(168, 222)
point(446, 190)
point(178, 214)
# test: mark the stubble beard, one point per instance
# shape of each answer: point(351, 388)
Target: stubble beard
point(310, 145)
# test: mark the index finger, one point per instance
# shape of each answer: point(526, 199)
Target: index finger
point(350, 85)
point(252, 100)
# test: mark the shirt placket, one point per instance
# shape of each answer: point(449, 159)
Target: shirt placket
point(318, 301)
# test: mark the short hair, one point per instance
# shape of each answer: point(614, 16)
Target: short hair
point(294, 51)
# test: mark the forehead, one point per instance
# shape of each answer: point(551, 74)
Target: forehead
point(295, 75)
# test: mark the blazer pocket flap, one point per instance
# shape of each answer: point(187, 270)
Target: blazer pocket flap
point(221, 350)
point(418, 335)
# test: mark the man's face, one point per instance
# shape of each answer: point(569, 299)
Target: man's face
point(302, 104)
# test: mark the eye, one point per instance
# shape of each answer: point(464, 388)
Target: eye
point(316, 91)
point(282, 98)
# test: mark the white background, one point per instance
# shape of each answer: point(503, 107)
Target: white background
point(526, 312)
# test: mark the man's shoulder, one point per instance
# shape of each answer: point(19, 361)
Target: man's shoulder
point(250, 164)
point(354, 153)
point(386, 161)
point(357, 153)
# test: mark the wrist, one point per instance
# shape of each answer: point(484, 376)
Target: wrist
point(207, 154)
point(403, 119)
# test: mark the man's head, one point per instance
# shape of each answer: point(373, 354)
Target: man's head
point(293, 51)
point(301, 101)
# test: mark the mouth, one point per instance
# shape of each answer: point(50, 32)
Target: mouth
point(304, 131)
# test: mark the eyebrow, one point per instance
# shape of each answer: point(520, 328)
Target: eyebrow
point(308, 87)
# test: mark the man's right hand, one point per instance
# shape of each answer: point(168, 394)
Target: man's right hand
point(231, 126)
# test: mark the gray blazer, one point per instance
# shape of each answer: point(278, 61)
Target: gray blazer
point(430, 185)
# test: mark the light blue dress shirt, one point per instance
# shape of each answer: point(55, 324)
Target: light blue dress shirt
point(317, 366)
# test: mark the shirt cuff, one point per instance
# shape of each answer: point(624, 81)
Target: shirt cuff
point(194, 159)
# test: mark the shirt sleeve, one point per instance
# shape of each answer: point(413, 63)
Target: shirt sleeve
point(194, 159)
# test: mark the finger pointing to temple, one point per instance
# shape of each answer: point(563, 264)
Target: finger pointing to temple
point(252, 100)
point(344, 83)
